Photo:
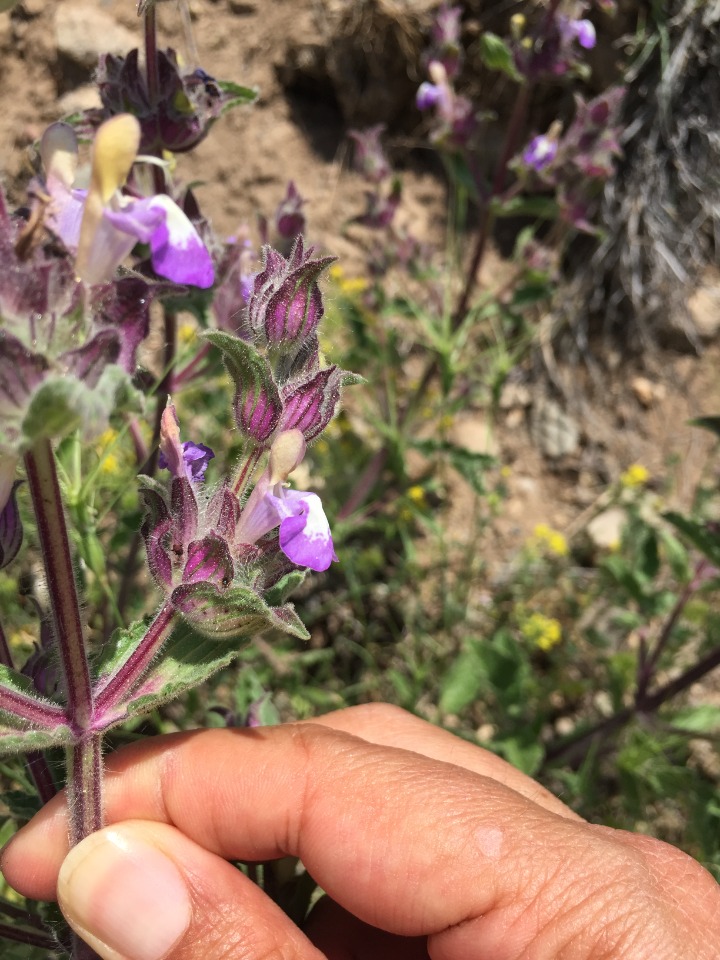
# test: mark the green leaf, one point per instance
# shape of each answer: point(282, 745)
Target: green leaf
point(496, 55)
point(462, 683)
point(706, 541)
point(19, 735)
point(22, 806)
point(702, 719)
point(525, 756)
point(237, 93)
point(707, 423)
point(246, 367)
point(470, 465)
point(286, 586)
point(546, 208)
point(186, 661)
point(232, 613)
point(61, 404)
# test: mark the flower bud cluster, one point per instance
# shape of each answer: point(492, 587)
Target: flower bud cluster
point(208, 552)
point(279, 382)
point(575, 163)
point(179, 119)
point(553, 46)
point(453, 117)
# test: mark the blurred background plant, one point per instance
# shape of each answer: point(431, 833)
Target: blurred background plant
point(587, 654)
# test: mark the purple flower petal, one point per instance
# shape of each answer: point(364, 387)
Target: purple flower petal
point(540, 152)
point(178, 253)
point(585, 33)
point(196, 457)
point(428, 96)
point(305, 536)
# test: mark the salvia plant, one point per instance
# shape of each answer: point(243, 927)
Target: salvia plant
point(81, 264)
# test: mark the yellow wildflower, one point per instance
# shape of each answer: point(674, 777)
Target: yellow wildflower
point(552, 540)
point(544, 632)
point(110, 464)
point(636, 475)
point(352, 285)
point(336, 272)
point(107, 438)
point(417, 494)
point(187, 333)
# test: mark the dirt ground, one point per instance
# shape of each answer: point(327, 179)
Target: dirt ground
point(631, 413)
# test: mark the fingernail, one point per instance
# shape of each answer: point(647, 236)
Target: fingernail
point(124, 896)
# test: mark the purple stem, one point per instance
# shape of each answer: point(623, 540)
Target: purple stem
point(55, 546)
point(39, 770)
point(47, 716)
point(24, 916)
point(151, 58)
point(32, 938)
point(244, 476)
point(112, 693)
point(515, 128)
point(187, 372)
point(84, 775)
point(35, 761)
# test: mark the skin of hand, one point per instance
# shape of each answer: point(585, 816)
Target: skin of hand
point(426, 847)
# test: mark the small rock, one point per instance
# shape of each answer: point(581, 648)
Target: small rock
point(704, 307)
point(647, 392)
point(515, 395)
point(83, 32)
point(605, 530)
point(514, 418)
point(475, 434)
point(553, 430)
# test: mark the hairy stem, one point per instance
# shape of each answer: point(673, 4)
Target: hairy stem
point(46, 716)
point(245, 473)
point(84, 766)
point(33, 938)
point(55, 546)
point(151, 58)
point(125, 678)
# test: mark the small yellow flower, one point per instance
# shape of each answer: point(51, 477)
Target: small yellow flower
point(352, 285)
point(552, 540)
point(505, 472)
point(336, 272)
point(110, 464)
point(636, 475)
point(544, 632)
point(417, 495)
point(187, 333)
point(107, 438)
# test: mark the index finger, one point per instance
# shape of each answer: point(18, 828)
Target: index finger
point(386, 832)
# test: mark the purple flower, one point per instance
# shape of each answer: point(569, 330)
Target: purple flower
point(289, 218)
point(188, 459)
point(428, 96)
point(370, 157)
point(305, 536)
point(304, 529)
point(102, 224)
point(581, 30)
point(540, 152)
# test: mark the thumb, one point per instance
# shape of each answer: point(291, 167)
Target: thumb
point(144, 891)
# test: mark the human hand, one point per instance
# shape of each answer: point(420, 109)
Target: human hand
point(426, 846)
